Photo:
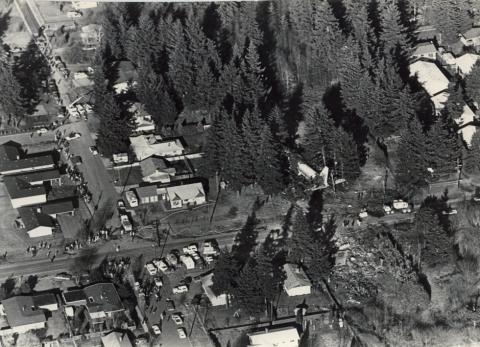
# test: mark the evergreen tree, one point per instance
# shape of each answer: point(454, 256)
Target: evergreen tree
point(143, 41)
point(225, 274)
point(394, 37)
point(301, 244)
point(453, 107)
point(249, 293)
point(450, 17)
point(472, 83)
point(277, 124)
point(471, 158)
point(252, 126)
point(100, 82)
point(11, 100)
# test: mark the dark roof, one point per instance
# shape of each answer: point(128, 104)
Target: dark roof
point(192, 117)
point(31, 162)
point(425, 33)
point(18, 188)
point(32, 219)
point(74, 295)
point(20, 310)
point(76, 160)
point(44, 299)
point(103, 297)
point(36, 176)
point(146, 191)
point(57, 206)
point(151, 165)
point(10, 151)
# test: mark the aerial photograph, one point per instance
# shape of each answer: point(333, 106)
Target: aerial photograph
point(282, 173)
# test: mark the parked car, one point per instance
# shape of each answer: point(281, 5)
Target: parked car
point(180, 289)
point(121, 204)
point(151, 269)
point(125, 221)
point(94, 150)
point(402, 206)
point(161, 264)
point(449, 211)
point(387, 209)
point(158, 281)
point(42, 131)
point(170, 305)
point(73, 136)
point(156, 329)
point(181, 333)
point(131, 198)
point(177, 319)
point(74, 14)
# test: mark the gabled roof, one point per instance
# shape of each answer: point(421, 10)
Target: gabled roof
point(147, 146)
point(33, 219)
point(34, 161)
point(295, 277)
point(37, 176)
point(10, 151)
point(468, 131)
point(74, 295)
point(57, 206)
point(425, 33)
point(153, 164)
point(21, 310)
point(465, 62)
point(103, 297)
point(44, 299)
point(424, 48)
point(18, 188)
point(185, 192)
point(146, 191)
point(116, 339)
point(472, 33)
point(429, 76)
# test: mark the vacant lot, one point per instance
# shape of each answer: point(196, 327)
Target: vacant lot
point(12, 241)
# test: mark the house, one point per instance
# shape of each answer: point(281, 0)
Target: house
point(465, 63)
point(147, 194)
point(448, 60)
point(58, 207)
point(51, 177)
point(22, 315)
point(142, 120)
point(191, 194)
point(207, 282)
point(429, 76)
point(467, 131)
point(306, 171)
point(471, 38)
point(116, 339)
point(120, 158)
point(190, 122)
point(425, 50)
point(280, 337)
point(23, 194)
point(187, 261)
point(156, 169)
point(296, 282)
point(100, 299)
point(46, 301)
point(427, 33)
point(91, 35)
point(13, 160)
point(145, 146)
point(35, 223)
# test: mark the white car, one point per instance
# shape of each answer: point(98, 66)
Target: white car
point(125, 221)
point(74, 14)
point(42, 131)
point(94, 150)
point(73, 136)
point(363, 214)
point(177, 319)
point(449, 212)
point(181, 333)
point(180, 289)
point(156, 329)
point(152, 270)
point(387, 209)
point(131, 198)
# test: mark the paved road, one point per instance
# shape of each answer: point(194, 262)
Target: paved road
point(37, 266)
point(27, 15)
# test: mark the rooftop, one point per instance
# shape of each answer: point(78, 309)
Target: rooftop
point(33, 219)
point(424, 48)
point(38, 176)
point(185, 192)
point(287, 337)
point(18, 188)
point(153, 164)
point(116, 339)
point(146, 191)
point(472, 33)
point(21, 310)
point(25, 163)
point(103, 297)
point(44, 299)
point(465, 62)
point(295, 277)
point(74, 295)
point(147, 146)
point(57, 206)
point(429, 76)
point(467, 131)
point(10, 151)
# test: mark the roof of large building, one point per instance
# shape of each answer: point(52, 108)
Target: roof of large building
point(465, 62)
point(103, 297)
point(186, 192)
point(57, 206)
point(295, 277)
point(33, 219)
point(429, 76)
point(472, 33)
point(146, 191)
point(287, 336)
point(116, 339)
point(18, 188)
point(74, 295)
point(44, 299)
point(25, 163)
point(21, 310)
point(37, 176)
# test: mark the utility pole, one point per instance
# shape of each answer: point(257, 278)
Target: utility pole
point(166, 238)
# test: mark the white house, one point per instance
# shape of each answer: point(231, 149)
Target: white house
point(36, 224)
point(465, 63)
point(116, 339)
point(22, 315)
point(220, 300)
point(191, 194)
point(471, 38)
point(296, 282)
point(23, 194)
point(467, 131)
point(281, 337)
point(91, 35)
point(429, 76)
point(188, 261)
point(145, 146)
point(143, 121)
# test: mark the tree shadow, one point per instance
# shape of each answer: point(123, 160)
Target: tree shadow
point(246, 240)
point(315, 208)
point(4, 22)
